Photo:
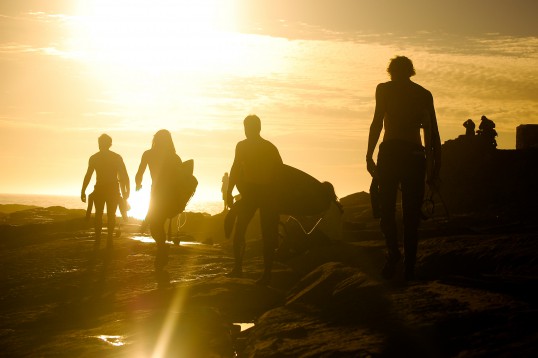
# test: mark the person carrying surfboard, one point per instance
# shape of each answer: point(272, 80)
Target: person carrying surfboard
point(253, 172)
point(161, 160)
point(403, 108)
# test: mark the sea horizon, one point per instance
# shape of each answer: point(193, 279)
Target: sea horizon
point(74, 202)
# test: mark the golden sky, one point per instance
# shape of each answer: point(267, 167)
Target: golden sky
point(72, 70)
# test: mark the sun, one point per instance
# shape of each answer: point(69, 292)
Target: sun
point(155, 34)
point(139, 202)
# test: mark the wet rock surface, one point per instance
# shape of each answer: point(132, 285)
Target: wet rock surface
point(473, 295)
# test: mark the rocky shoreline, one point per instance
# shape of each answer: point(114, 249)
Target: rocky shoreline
point(473, 296)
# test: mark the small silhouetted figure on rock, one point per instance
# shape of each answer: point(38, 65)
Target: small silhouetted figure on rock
point(469, 127)
point(486, 131)
point(224, 189)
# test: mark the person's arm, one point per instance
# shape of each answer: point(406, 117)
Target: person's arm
point(233, 177)
point(432, 143)
point(125, 183)
point(140, 173)
point(86, 181)
point(375, 131)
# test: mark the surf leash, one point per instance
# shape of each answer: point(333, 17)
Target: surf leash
point(302, 227)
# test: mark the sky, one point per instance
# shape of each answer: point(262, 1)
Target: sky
point(72, 70)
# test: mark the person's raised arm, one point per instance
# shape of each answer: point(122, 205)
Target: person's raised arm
point(86, 181)
point(375, 131)
point(141, 170)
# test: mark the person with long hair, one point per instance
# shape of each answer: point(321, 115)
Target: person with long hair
point(160, 159)
point(403, 108)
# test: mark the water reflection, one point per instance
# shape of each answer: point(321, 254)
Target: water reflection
point(116, 341)
point(244, 326)
point(149, 240)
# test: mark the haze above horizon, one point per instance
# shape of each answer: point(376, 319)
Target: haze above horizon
point(72, 70)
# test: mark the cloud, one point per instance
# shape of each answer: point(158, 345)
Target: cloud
point(463, 17)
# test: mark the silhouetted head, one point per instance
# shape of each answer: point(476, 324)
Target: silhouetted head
point(105, 142)
point(330, 190)
point(253, 126)
point(331, 194)
point(162, 142)
point(400, 67)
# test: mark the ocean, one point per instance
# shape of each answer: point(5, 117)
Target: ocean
point(74, 202)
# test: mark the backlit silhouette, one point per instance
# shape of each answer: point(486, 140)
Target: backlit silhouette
point(253, 172)
point(110, 171)
point(160, 159)
point(403, 108)
point(224, 189)
point(469, 127)
point(486, 131)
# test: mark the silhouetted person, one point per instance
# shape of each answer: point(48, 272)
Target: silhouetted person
point(160, 159)
point(469, 127)
point(332, 220)
point(486, 130)
point(253, 172)
point(111, 175)
point(224, 189)
point(403, 108)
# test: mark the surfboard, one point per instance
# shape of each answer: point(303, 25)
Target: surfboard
point(299, 193)
point(185, 187)
point(296, 192)
point(175, 189)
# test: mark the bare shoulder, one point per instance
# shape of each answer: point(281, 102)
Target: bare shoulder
point(382, 87)
point(426, 93)
point(241, 145)
point(116, 156)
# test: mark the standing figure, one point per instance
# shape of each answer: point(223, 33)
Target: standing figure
point(403, 108)
point(161, 160)
point(469, 127)
point(254, 171)
point(111, 176)
point(224, 189)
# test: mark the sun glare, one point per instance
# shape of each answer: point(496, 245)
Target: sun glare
point(203, 200)
point(163, 60)
point(139, 201)
point(155, 35)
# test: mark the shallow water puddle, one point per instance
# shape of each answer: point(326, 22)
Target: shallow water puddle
point(244, 326)
point(146, 239)
point(116, 341)
point(149, 240)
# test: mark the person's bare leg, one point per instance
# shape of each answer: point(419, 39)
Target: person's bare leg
point(111, 207)
point(269, 224)
point(98, 221)
point(243, 219)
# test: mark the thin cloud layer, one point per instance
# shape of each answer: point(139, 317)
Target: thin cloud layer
point(310, 76)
